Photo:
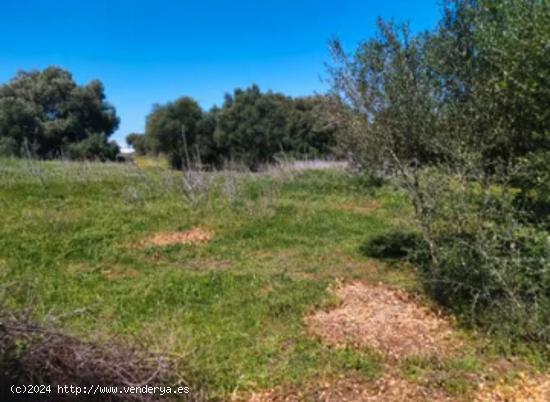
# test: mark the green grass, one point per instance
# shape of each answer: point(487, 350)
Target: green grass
point(233, 308)
point(456, 375)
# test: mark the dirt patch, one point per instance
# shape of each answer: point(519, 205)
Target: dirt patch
point(398, 325)
point(387, 389)
point(525, 389)
point(384, 319)
point(193, 236)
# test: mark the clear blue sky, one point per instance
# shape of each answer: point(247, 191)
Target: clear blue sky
point(154, 51)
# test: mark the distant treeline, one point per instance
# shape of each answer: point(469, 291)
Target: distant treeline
point(45, 114)
point(250, 128)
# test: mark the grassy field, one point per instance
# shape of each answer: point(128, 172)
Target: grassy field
point(71, 246)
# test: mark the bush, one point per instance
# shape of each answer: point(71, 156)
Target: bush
point(8, 147)
point(139, 142)
point(533, 180)
point(95, 147)
point(484, 262)
point(498, 277)
point(457, 115)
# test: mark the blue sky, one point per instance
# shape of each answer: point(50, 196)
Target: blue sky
point(149, 52)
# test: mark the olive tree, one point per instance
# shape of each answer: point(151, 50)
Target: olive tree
point(47, 114)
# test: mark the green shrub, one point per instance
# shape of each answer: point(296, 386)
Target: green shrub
point(95, 147)
point(497, 278)
point(533, 180)
point(457, 115)
point(8, 147)
point(480, 257)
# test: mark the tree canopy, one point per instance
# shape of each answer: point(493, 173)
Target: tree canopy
point(251, 127)
point(181, 130)
point(478, 82)
point(47, 114)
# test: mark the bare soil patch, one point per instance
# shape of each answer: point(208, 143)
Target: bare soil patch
point(193, 236)
point(525, 389)
point(398, 325)
point(390, 321)
point(387, 389)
